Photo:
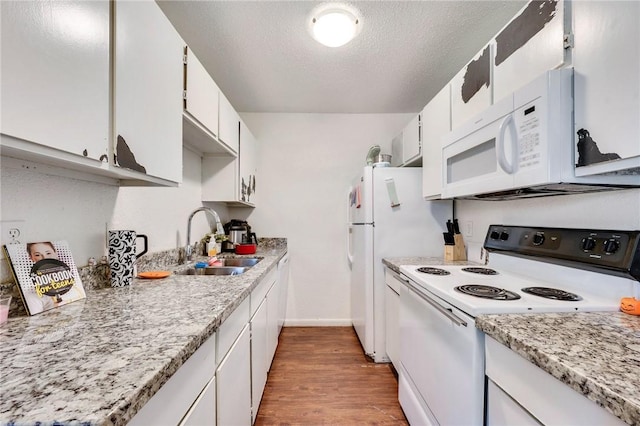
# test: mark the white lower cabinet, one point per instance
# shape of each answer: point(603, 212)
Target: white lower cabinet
point(392, 323)
point(223, 381)
point(504, 411)
point(233, 381)
point(176, 397)
point(521, 393)
point(273, 303)
point(264, 337)
point(203, 411)
point(283, 284)
point(259, 365)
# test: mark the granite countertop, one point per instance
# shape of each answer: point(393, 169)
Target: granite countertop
point(394, 263)
point(595, 353)
point(99, 360)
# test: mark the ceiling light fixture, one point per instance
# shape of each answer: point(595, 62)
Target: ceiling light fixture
point(334, 25)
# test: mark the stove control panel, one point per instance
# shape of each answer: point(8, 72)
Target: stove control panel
point(607, 251)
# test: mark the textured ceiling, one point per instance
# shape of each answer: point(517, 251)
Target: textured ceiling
point(262, 57)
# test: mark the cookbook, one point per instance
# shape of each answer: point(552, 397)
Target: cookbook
point(45, 274)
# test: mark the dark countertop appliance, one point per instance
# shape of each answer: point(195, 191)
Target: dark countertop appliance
point(238, 232)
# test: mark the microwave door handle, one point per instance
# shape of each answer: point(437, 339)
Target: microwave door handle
point(500, 154)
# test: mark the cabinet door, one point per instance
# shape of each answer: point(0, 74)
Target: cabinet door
point(530, 44)
point(203, 411)
point(233, 380)
point(229, 123)
point(412, 140)
point(259, 364)
point(55, 74)
point(471, 88)
point(273, 303)
point(283, 282)
point(606, 84)
point(436, 122)
point(148, 91)
point(392, 326)
point(247, 158)
point(396, 151)
point(201, 100)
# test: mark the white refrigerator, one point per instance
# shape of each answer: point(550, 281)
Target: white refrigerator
point(387, 218)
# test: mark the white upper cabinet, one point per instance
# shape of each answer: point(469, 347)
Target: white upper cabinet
point(471, 88)
point(412, 140)
point(201, 94)
point(606, 59)
point(436, 122)
point(530, 44)
point(229, 124)
point(148, 91)
point(55, 77)
point(201, 128)
point(232, 180)
point(248, 160)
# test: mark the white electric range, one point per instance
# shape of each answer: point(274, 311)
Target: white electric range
point(530, 269)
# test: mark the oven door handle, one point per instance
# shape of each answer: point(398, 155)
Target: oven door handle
point(446, 312)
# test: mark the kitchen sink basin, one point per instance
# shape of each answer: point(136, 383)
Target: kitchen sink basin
point(214, 270)
point(240, 261)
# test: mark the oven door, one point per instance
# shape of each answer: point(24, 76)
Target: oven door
point(481, 156)
point(442, 357)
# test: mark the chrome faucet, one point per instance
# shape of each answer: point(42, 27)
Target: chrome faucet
point(219, 228)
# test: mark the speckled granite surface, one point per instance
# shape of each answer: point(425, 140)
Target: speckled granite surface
point(596, 353)
point(97, 361)
point(394, 263)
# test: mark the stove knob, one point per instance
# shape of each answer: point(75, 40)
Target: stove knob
point(611, 246)
point(588, 243)
point(538, 239)
point(494, 235)
point(504, 236)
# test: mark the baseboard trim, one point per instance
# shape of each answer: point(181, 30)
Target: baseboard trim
point(317, 323)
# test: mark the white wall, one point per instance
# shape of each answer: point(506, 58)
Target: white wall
point(55, 207)
point(601, 210)
point(305, 165)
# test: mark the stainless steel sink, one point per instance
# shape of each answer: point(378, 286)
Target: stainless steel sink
point(229, 266)
point(240, 261)
point(214, 270)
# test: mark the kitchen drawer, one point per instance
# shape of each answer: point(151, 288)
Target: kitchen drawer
point(174, 399)
point(392, 280)
point(231, 328)
point(260, 291)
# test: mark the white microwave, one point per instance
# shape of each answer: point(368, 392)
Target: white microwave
point(521, 146)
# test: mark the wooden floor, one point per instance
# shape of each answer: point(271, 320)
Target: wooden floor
point(321, 376)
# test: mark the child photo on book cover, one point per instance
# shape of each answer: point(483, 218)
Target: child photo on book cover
point(46, 274)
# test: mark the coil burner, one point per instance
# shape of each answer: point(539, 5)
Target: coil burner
point(433, 271)
point(487, 292)
point(552, 293)
point(481, 271)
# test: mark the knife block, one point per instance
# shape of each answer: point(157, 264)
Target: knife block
point(456, 251)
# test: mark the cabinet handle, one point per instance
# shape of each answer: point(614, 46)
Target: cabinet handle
point(446, 312)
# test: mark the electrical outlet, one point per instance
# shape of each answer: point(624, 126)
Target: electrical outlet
point(12, 231)
point(468, 229)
